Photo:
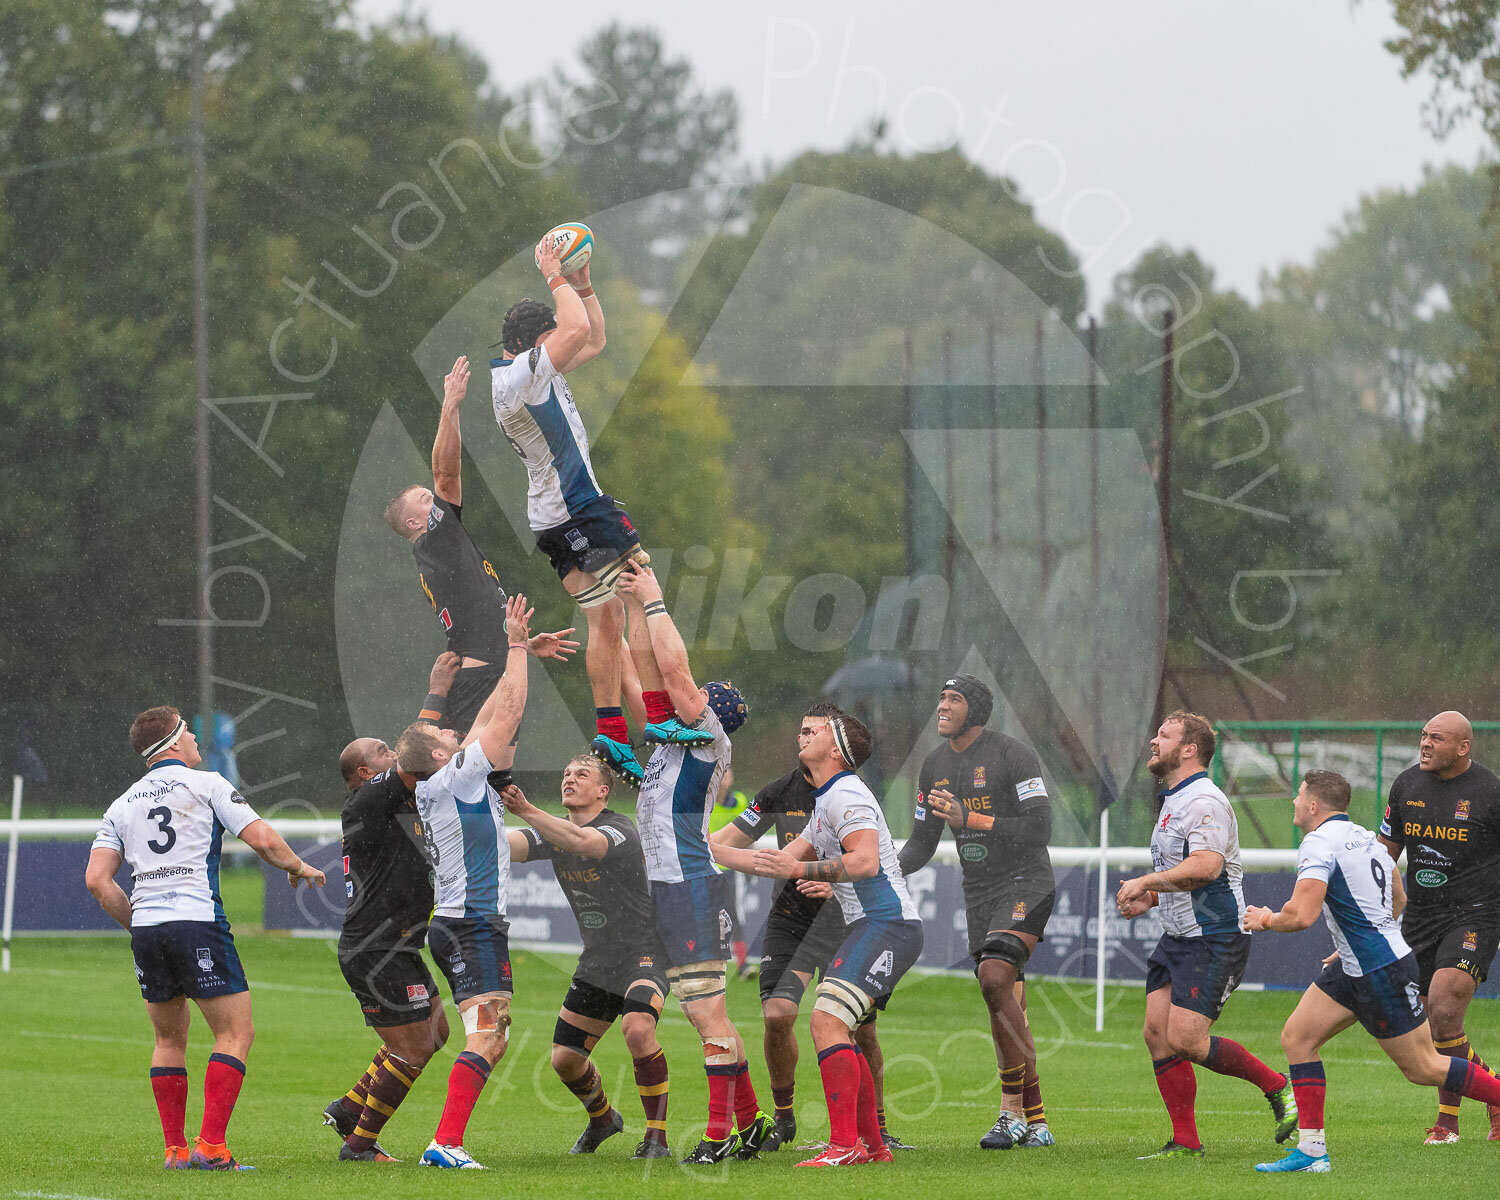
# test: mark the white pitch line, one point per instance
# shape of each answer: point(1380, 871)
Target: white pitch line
point(77, 1037)
point(58, 1196)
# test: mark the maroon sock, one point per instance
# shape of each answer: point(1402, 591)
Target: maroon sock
point(1448, 1101)
point(465, 1081)
point(867, 1117)
point(746, 1106)
point(651, 1082)
point(589, 1089)
point(658, 707)
point(840, 1070)
point(611, 723)
point(169, 1086)
point(783, 1098)
point(1179, 1089)
point(1309, 1085)
point(393, 1078)
point(1471, 1081)
point(221, 1088)
point(1228, 1057)
point(1031, 1099)
point(720, 1091)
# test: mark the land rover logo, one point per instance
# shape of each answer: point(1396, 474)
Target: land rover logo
point(593, 920)
point(1430, 878)
point(973, 852)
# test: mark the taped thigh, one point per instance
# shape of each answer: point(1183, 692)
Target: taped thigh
point(488, 1016)
point(701, 981)
point(595, 594)
point(611, 571)
point(842, 1000)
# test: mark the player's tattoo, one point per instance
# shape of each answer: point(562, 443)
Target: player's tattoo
point(827, 870)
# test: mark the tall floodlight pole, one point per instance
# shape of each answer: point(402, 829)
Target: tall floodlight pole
point(200, 378)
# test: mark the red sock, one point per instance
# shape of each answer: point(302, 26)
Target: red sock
point(1472, 1081)
point(1309, 1085)
point(221, 1088)
point(658, 707)
point(1228, 1057)
point(839, 1067)
point(1179, 1089)
point(740, 949)
point(611, 723)
point(746, 1106)
point(867, 1117)
point(169, 1086)
point(465, 1081)
point(720, 1091)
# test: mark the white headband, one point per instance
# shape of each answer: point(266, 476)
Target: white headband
point(841, 739)
point(153, 751)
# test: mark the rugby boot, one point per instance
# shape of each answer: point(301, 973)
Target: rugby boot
point(177, 1159)
point(206, 1157)
point(760, 1136)
point(1297, 1160)
point(1007, 1130)
point(595, 1133)
point(1284, 1111)
point(786, 1131)
point(451, 1157)
point(1440, 1135)
point(373, 1154)
point(881, 1154)
point(650, 1149)
point(708, 1153)
point(619, 758)
point(1173, 1150)
point(839, 1156)
point(1494, 1110)
point(892, 1142)
point(337, 1115)
point(1037, 1134)
point(672, 732)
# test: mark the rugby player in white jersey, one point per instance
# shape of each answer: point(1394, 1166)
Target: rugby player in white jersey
point(463, 824)
point(1372, 976)
point(1200, 960)
point(847, 845)
point(586, 536)
point(688, 894)
point(169, 827)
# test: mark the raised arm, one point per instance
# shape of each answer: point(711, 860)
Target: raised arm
point(594, 345)
point(448, 446)
point(666, 642)
point(572, 319)
point(439, 680)
point(574, 839)
point(499, 720)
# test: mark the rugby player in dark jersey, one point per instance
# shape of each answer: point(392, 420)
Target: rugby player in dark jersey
point(1445, 813)
point(388, 889)
point(987, 787)
point(456, 577)
point(596, 855)
point(802, 933)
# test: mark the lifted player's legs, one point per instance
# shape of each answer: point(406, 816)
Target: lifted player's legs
point(486, 1019)
point(605, 616)
point(662, 725)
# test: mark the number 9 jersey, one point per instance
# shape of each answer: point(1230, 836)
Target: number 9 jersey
point(170, 827)
point(1357, 907)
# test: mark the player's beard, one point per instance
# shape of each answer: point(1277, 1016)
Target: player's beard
point(1161, 766)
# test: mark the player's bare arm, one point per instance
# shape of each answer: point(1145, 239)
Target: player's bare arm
point(594, 346)
point(554, 645)
point(447, 447)
point(496, 727)
point(587, 843)
point(1297, 913)
point(99, 877)
point(736, 839)
point(572, 330)
point(272, 847)
point(1198, 869)
point(520, 848)
point(666, 642)
point(1394, 849)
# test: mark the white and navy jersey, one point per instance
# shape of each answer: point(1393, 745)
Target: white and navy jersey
point(844, 806)
point(463, 823)
point(1358, 872)
point(673, 807)
point(170, 827)
point(1195, 815)
point(538, 417)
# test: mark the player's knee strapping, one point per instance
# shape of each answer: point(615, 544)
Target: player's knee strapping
point(701, 981)
point(488, 1016)
point(594, 595)
point(642, 998)
point(1007, 947)
point(843, 1001)
point(607, 575)
point(565, 1033)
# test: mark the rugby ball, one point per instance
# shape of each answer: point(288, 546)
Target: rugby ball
point(575, 245)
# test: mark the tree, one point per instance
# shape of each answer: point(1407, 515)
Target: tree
point(1457, 42)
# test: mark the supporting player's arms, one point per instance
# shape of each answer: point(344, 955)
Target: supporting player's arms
point(566, 836)
point(732, 837)
point(447, 447)
point(498, 722)
point(100, 880)
point(1297, 913)
point(272, 847)
point(860, 860)
point(520, 848)
point(439, 680)
point(594, 345)
point(666, 643)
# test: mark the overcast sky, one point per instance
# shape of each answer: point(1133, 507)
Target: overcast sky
point(1242, 130)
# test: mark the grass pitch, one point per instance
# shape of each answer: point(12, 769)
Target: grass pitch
point(79, 1122)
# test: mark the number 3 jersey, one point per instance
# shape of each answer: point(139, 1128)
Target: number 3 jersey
point(1195, 815)
point(1357, 907)
point(170, 828)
